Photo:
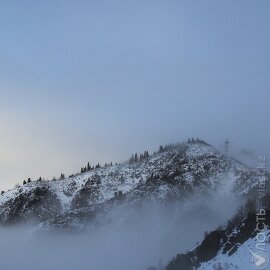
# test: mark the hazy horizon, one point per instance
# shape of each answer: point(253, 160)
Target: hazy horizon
point(98, 80)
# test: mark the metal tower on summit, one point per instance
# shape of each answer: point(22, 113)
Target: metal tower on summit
point(226, 143)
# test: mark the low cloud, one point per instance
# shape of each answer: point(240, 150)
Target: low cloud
point(133, 241)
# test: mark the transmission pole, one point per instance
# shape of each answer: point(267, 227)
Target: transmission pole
point(226, 143)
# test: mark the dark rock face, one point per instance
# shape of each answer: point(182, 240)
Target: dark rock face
point(88, 195)
point(211, 245)
point(39, 204)
point(206, 251)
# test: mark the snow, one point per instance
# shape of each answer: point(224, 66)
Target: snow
point(241, 259)
point(192, 159)
point(10, 194)
point(195, 150)
point(124, 177)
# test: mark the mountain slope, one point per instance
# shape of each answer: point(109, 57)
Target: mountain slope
point(166, 176)
point(234, 246)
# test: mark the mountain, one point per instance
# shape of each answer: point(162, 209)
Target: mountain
point(170, 175)
point(180, 181)
point(243, 242)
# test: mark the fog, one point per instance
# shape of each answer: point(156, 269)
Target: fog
point(134, 240)
point(99, 80)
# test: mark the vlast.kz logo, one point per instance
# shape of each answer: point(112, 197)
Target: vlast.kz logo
point(260, 259)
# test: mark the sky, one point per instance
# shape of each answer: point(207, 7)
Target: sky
point(99, 80)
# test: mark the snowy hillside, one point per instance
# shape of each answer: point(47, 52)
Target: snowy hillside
point(244, 243)
point(166, 176)
point(243, 258)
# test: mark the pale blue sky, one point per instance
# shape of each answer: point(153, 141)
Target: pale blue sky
point(99, 80)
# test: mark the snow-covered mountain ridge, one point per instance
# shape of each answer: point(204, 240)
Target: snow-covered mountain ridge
point(165, 176)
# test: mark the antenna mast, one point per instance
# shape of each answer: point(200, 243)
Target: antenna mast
point(226, 143)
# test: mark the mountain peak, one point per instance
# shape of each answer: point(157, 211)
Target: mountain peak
point(169, 174)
